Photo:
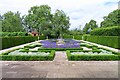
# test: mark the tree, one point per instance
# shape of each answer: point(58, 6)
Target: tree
point(11, 22)
point(39, 17)
point(85, 29)
point(0, 23)
point(60, 22)
point(113, 19)
point(91, 25)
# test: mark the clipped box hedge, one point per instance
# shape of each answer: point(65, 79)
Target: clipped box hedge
point(96, 57)
point(111, 41)
point(50, 57)
point(60, 49)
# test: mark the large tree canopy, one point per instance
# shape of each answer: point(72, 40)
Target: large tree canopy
point(113, 19)
point(41, 19)
point(11, 22)
point(38, 17)
point(60, 22)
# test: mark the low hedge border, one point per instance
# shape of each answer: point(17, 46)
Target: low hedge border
point(60, 49)
point(32, 46)
point(96, 57)
point(50, 57)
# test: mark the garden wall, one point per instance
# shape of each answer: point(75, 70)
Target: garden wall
point(111, 41)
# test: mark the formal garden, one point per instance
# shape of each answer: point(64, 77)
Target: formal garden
point(75, 43)
point(51, 33)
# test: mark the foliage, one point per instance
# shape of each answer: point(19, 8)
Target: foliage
point(8, 42)
point(29, 58)
point(113, 19)
point(111, 41)
point(11, 22)
point(109, 31)
point(60, 22)
point(91, 25)
point(41, 19)
point(38, 18)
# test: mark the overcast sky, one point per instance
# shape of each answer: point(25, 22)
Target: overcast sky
point(79, 11)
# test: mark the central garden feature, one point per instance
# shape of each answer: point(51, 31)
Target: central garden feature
point(60, 43)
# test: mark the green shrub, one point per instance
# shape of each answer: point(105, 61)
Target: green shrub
point(111, 41)
point(109, 31)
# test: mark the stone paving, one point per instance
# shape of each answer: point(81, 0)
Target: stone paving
point(60, 67)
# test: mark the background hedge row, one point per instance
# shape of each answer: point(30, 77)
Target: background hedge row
point(3, 34)
point(8, 42)
point(78, 37)
point(111, 41)
point(109, 31)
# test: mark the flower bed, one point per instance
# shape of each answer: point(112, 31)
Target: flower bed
point(16, 55)
point(67, 44)
point(91, 55)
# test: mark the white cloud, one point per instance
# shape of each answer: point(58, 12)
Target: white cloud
point(80, 11)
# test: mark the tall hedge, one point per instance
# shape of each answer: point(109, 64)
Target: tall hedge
point(111, 41)
point(109, 31)
point(8, 42)
point(5, 34)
